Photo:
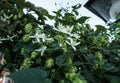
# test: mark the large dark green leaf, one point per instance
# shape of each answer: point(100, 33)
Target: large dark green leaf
point(90, 77)
point(32, 75)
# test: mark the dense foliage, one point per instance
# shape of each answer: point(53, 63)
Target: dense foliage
point(68, 52)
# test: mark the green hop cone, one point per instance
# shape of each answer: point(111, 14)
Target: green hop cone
point(71, 69)
point(71, 76)
point(23, 51)
point(64, 47)
point(20, 15)
point(58, 37)
point(34, 55)
point(104, 41)
point(79, 81)
point(37, 30)
point(48, 42)
point(68, 60)
point(98, 55)
point(74, 78)
point(76, 27)
point(26, 63)
point(26, 38)
point(28, 28)
point(49, 63)
point(15, 17)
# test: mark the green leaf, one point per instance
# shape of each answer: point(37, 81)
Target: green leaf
point(5, 4)
point(60, 60)
point(113, 79)
point(76, 12)
point(100, 28)
point(82, 19)
point(7, 56)
point(90, 77)
point(29, 5)
point(32, 75)
point(68, 14)
point(17, 46)
point(51, 17)
point(41, 10)
point(20, 3)
point(28, 47)
point(76, 6)
point(58, 13)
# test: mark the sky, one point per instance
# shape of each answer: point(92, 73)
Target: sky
point(50, 6)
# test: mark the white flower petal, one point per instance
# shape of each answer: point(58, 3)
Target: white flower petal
point(74, 48)
point(64, 29)
point(42, 50)
point(68, 42)
point(40, 36)
point(0, 42)
point(76, 43)
point(9, 38)
point(72, 43)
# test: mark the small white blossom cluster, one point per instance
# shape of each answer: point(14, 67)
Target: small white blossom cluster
point(64, 29)
point(71, 39)
point(40, 37)
point(72, 43)
point(68, 30)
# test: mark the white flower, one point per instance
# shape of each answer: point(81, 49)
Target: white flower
point(36, 36)
point(72, 43)
point(44, 38)
point(42, 50)
point(40, 36)
point(8, 38)
point(64, 29)
point(67, 30)
point(75, 35)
